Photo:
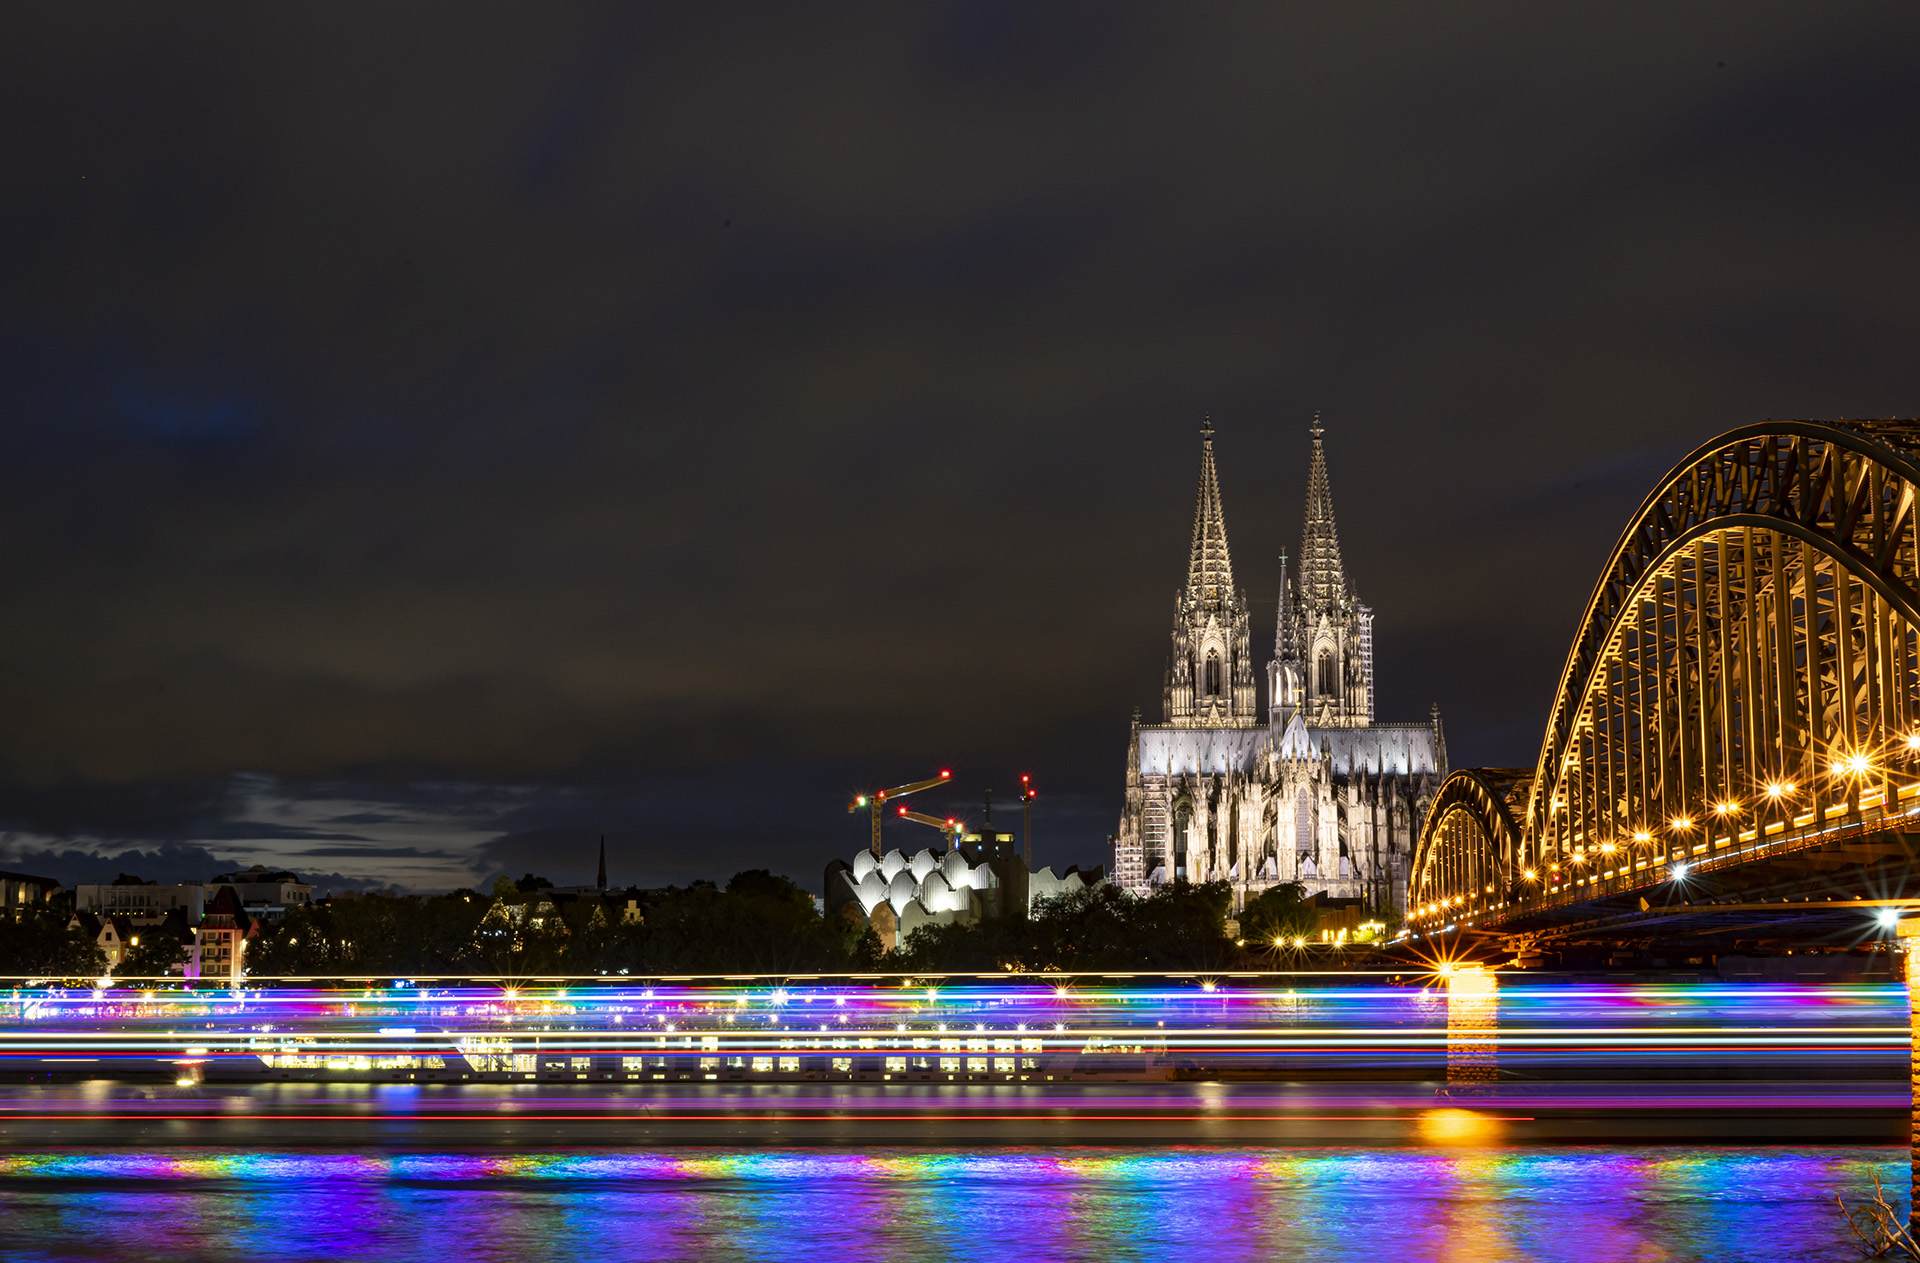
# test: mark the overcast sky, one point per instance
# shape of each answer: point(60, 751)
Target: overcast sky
point(432, 437)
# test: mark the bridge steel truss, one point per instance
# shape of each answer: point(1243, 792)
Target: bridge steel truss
point(1742, 686)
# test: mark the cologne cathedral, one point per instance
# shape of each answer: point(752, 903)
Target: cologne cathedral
point(1314, 790)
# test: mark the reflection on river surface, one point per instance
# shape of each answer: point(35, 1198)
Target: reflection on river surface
point(901, 1205)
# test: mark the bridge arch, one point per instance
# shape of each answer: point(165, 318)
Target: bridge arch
point(1744, 675)
point(1472, 841)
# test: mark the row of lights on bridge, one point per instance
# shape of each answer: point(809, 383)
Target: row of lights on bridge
point(1853, 766)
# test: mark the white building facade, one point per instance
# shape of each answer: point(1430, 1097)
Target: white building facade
point(142, 903)
point(896, 894)
point(1312, 789)
point(264, 892)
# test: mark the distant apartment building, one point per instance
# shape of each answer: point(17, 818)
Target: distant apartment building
point(219, 955)
point(23, 890)
point(265, 893)
point(142, 903)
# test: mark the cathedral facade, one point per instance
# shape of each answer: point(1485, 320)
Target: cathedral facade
point(1312, 790)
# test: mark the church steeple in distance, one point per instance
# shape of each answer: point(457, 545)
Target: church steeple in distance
point(1210, 672)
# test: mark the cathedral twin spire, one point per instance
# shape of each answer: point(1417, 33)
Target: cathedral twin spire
point(1323, 648)
point(1210, 675)
point(1323, 580)
point(1210, 671)
point(1323, 577)
point(1209, 565)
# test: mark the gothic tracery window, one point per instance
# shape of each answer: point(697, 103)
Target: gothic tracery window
point(1213, 673)
point(1328, 679)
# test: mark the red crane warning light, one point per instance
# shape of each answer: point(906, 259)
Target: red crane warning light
point(1027, 794)
point(873, 800)
point(949, 828)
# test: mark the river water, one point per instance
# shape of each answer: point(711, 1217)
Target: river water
point(902, 1205)
point(1471, 1123)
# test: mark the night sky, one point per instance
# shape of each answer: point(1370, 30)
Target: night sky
point(432, 437)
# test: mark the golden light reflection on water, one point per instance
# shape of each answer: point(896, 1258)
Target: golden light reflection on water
point(1460, 1127)
point(1473, 1026)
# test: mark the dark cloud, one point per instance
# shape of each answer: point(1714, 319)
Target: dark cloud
point(676, 418)
point(370, 853)
point(122, 810)
point(166, 864)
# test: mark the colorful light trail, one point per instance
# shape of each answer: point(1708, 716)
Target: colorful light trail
point(776, 1030)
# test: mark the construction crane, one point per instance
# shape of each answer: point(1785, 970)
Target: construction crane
point(872, 801)
point(948, 826)
point(1027, 795)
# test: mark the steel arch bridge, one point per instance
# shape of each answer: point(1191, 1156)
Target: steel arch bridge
point(1736, 735)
